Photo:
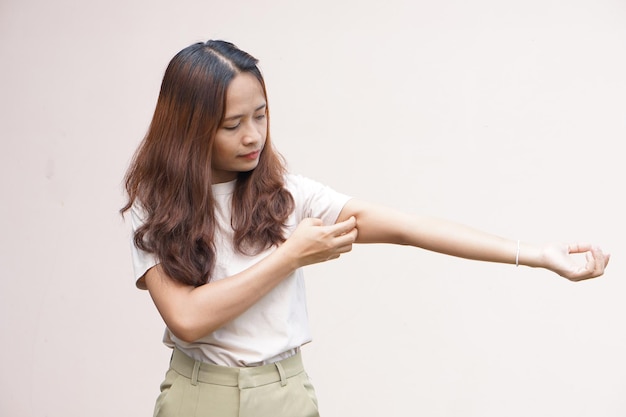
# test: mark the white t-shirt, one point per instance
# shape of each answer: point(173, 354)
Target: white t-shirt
point(277, 325)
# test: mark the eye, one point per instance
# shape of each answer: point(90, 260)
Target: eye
point(260, 116)
point(231, 127)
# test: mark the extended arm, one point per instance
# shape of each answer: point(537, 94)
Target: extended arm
point(193, 312)
point(379, 224)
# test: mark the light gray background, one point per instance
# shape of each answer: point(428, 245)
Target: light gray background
point(505, 115)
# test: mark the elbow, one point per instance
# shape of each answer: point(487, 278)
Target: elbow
point(189, 330)
point(187, 337)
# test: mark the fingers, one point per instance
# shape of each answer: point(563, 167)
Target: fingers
point(343, 227)
point(596, 261)
point(595, 251)
point(314, 242)
point(579, 247)
point(346, 234)
point(600, 260)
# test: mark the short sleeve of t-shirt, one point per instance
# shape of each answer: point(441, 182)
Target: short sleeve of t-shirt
point(314, 199)
point(142, 261)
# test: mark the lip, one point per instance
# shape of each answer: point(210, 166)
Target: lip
point(252, 155)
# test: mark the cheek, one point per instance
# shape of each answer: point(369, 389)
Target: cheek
point(220, 145)
point(217, 153)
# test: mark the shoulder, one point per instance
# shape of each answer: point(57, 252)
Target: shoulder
point(301, 187)
point(314, 198)
point(298, 182)
point(293, 181)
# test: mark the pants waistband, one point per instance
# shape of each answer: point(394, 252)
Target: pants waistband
point(244, 377)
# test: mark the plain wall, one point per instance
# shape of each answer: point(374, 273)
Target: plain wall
point(508, 116)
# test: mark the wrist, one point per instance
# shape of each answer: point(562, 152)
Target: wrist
point(288, 256)
point(528, 255)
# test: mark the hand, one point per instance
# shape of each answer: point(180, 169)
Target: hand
point(312, 242)
point(560, 259)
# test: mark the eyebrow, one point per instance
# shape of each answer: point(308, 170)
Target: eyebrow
point(237, 116)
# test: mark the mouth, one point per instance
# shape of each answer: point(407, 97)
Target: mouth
point(252, 155)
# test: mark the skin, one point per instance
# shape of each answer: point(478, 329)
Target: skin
point(191, 313)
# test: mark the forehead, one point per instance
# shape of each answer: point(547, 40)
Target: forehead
point(244, 93)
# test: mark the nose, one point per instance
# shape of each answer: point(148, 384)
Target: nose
point(252, 134)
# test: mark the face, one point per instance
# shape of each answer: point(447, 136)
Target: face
point(241, 137)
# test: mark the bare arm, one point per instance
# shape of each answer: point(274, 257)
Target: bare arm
point(379, 224)
point(193, 312)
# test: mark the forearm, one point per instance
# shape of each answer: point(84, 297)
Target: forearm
point(462, 241)
point(193, 312)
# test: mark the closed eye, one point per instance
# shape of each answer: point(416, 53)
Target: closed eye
point(231, 127)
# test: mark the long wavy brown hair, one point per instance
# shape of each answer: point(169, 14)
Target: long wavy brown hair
point(170, 180)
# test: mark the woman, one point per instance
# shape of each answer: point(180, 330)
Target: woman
point(222, 231)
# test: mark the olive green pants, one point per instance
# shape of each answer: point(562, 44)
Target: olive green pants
point(196, 389)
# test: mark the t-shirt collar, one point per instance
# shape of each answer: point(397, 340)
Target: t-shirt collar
point(224, 187)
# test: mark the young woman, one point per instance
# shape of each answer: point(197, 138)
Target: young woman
point(222, 231)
